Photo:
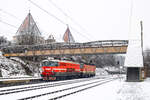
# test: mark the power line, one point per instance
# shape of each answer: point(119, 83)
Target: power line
point(67, 15)
point(58, 8)
point(8, 24)
point(47, 12)
point(54, 16)
point(130, 16)
point(79, 33)
point(10, 14)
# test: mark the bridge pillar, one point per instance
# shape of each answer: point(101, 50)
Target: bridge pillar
point(133, 74)
point(134, 61)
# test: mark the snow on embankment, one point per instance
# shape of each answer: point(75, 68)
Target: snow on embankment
point(26, 66)
point(101, 72)
point(11, 68)
point(134, 90)
point(115, 70)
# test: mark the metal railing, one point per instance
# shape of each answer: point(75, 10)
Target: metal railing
point(62, 45)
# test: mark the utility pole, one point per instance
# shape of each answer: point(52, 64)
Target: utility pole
point(142, 70)
point(141, 36)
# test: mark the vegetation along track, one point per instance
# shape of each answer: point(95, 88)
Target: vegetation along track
point(29, 88)
point(96, 83)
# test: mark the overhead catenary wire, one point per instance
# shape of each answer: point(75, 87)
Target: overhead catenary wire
point(79, 33)
point(61, 10)
point(3, 11)
point(8, 24)
point(47, 12)
point(130, 16)
point(50, 14)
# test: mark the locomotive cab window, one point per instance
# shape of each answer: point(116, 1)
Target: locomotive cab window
point(49, 63)
point(81, 65)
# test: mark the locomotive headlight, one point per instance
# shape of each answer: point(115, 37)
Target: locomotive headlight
point(41, 70)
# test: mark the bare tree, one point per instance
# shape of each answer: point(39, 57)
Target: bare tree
point(3, 40)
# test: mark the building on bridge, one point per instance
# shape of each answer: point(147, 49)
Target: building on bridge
point(28, 33)
point(50, 39)
point(68, 37)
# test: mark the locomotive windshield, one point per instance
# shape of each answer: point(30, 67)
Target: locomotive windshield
point(49, 63)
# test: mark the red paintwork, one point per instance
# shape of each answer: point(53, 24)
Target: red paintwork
point(65, 67)
point(88, 68)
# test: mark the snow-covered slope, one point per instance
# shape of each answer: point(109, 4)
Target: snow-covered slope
point(11, 68)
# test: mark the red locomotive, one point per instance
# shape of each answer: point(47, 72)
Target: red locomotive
point(61, 69)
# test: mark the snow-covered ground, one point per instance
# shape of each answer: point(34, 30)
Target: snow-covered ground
point(15, 96)
point(115, 90)
point(9, 67)
point(15, 67)
point(101, 72)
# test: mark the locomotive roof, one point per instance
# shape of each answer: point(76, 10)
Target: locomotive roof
point(65, 61)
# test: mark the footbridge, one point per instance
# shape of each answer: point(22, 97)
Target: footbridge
point(54, 49)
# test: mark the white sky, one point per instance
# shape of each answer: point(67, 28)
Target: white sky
point(101, 19)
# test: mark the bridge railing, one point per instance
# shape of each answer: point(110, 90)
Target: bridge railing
point(62, 45)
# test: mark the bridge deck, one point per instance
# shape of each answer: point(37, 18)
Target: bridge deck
point(97, 47)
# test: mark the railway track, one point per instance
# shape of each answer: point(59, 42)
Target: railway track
point(14, 81)
point(41, 86)
point(72, 90)
point(80, 90)
point(52, 90)
point(17, 77)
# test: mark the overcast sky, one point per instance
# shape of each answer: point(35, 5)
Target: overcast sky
point(95, 19)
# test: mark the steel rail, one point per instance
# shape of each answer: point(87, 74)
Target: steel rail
point(29, 88)
point(61, 90)
point(79, 90)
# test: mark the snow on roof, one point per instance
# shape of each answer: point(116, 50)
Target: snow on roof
point(134, 57)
